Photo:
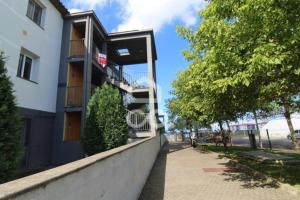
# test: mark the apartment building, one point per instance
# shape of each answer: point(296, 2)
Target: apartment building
point(56, 59)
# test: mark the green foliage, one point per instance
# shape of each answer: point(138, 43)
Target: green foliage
point(10, 128)
point(92, 139)
point(105, 126)
point(244, 56)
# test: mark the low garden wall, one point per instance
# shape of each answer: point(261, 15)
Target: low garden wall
point(116, 174)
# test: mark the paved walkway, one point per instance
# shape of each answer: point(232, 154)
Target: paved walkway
point(183, 173)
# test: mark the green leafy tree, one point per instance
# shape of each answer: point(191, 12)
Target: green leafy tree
point(105, 126)
point(244, 55)
point(10, 128)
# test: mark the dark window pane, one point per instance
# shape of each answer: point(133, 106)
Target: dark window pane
point(27, 68)
point(20, 65)
point(30, 9)
point(34, 11)
point(37, 14)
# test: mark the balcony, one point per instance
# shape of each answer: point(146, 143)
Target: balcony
point(136, 80)
point(74, 96)
point(77, 48)
point(138, 121)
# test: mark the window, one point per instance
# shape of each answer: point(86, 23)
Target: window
point(25, 67)
point(28, 67)
point(35, 12)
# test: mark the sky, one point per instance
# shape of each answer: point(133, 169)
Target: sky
point(162, 16)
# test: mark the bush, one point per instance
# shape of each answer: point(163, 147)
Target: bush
point(92, 139)
point(105, 126)
point(10, 128)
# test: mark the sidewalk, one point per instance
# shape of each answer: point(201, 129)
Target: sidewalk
point(183, 173)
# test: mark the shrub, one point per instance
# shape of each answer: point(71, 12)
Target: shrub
point(92, 139)
point(10, 128)
point(105, 127)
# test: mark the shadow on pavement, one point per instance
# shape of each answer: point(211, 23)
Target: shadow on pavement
point(173, 147)
point(155, 185)
point(249, 181)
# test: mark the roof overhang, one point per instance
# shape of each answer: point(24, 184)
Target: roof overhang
point(60, 7)
point(133, 41)
point(93, 15)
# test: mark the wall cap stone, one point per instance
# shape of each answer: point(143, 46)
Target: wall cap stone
point(23, 185)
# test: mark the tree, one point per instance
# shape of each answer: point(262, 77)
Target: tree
point(245, 54)
point(105, 126)
point(112, 117)
point(92, 139)
point(10, 127)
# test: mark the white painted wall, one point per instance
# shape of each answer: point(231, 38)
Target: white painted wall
point(116, 174)
point(17, 31)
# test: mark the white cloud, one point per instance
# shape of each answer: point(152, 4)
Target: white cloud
point(75, 10)
point(157, 13)
point(142, 14)
point(87, 4)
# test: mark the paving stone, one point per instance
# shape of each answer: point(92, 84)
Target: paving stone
point(179, 174)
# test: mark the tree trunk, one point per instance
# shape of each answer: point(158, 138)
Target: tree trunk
point(257, 128)
point(223, 134)
point(221, 126)
point(287, 115)
point(229, 136)
point(189, 124)
point(197, 131)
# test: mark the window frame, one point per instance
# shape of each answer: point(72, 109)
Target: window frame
point(31, 14)
point(21, 67)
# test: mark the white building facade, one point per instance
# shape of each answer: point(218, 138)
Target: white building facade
point(30, 37)
point(39, 41)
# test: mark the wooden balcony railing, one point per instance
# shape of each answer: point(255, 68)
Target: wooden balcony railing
point(74, 96)
point(77, 48)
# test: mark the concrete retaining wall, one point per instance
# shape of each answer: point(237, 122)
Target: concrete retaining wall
point(116, 174)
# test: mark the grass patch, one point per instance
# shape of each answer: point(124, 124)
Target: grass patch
point(284, 173)
point(290, 153)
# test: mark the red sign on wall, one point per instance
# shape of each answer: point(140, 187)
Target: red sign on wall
point(102, 59)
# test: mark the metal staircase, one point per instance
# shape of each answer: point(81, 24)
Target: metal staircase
point(131, 83)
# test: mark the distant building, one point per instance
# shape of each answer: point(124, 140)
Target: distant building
point(246, 126)
point(278, 128)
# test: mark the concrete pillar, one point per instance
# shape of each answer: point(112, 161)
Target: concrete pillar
point(152, 86)
point(121, 73)
point(87, 72)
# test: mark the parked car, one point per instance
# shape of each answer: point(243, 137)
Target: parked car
point(297, 135)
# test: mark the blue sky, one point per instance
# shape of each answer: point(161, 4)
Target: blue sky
point(161, 15)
